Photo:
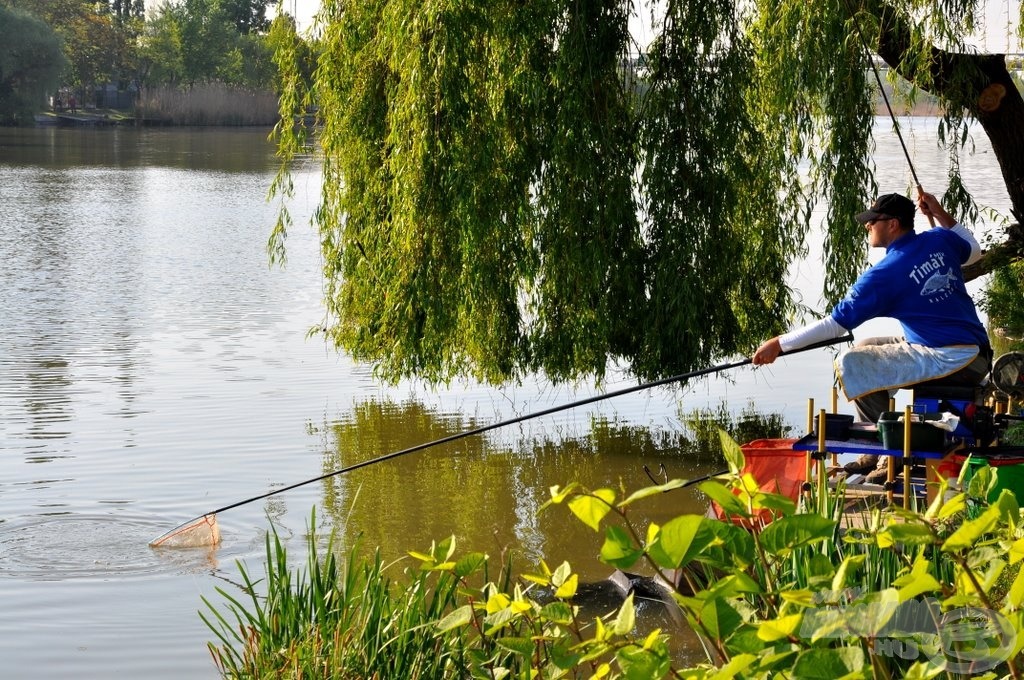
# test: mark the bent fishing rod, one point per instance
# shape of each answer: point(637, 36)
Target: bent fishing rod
point(888, 107)
point(519, 419)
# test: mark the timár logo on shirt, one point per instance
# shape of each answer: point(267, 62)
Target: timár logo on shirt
point(939, 283)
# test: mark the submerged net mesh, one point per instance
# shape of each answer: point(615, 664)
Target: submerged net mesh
point(202, 531)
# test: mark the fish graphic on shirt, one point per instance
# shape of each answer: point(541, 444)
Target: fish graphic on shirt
point(939, 282)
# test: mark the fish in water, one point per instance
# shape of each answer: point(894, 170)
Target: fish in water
point(938, 283)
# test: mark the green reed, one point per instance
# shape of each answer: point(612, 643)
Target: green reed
point(334, 620)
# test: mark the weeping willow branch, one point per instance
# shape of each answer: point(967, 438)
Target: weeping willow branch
point(503, 195)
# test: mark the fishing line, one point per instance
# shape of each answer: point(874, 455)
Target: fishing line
point(885, 98)
point(180, 535)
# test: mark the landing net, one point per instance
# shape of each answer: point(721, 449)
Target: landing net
point(200, 532)
point(1008, 374)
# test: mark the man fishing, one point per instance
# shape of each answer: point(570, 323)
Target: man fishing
point(919, 283)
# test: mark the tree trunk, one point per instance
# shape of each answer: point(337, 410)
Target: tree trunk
point(981, 85)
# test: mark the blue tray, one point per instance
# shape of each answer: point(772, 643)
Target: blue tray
point(810, 443)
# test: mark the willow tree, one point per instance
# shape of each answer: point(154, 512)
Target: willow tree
point(517, 185)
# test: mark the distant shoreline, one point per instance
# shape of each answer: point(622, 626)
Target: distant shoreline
point(929, 109)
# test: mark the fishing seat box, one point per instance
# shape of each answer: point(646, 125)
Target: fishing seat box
point(923, 437)
point(957, 399)
point(837, 426)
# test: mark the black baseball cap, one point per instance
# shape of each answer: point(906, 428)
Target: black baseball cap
point(890, 205)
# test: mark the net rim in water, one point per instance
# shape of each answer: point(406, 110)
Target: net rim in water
point(202, 531)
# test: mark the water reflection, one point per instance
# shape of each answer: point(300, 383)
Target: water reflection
point(489, 490)
point(222, 149)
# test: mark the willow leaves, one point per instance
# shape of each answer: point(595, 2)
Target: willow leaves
point(515, 186)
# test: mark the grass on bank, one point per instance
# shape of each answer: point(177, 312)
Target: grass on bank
point(334, 620)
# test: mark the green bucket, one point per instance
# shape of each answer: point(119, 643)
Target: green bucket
point(1009, 474)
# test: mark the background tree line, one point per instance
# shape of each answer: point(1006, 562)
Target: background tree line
point(46, 45)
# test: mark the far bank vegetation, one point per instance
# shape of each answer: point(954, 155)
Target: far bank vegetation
point(206, 104)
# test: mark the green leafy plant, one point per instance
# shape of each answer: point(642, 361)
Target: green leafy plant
point(774, 586)
point(912, 594)
point(1005, 306)
point(444, 619)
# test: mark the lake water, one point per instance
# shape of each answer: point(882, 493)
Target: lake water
point(154, 367)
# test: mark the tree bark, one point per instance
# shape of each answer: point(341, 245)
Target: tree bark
point(980, 85)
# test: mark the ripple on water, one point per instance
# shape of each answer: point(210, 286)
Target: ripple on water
point(81, 546)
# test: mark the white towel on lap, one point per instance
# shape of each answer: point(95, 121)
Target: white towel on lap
point(872, 368)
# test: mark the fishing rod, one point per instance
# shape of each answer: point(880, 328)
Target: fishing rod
point(689, 482)
point(503, 423)
point(888, 107)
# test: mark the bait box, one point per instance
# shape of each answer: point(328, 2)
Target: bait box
point(923, 437)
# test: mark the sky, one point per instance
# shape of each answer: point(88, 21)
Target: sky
point(994, 38)
point(302, 10)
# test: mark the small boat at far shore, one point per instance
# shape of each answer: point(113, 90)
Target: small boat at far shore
point(80, 119)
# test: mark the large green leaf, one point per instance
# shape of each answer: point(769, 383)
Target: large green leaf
point(830, 664)
point(982, 481)
point(723, 495)
point(716, 617)
point(625, 620)
point(735, 584)
point(907, 533)
point(918, 582)
point(1009, 508)
point(732, 452)
point(564, 654)
point(736, 666)
point(970, 532)
point(869, 616)
point(653, 491)
point(618, 549)
point(745, 641)
point(784, 505)
point(691, 537)
point(925, 670)
point(728, 546)
point(673, 545)
point(957, 503)
point(460, 617)
point(523, 646)
point(781, 628)
point(847, 568)
point(783, 535)
point(591, 508)
point(557, 612)
point(469, 564)
point(638, 663)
